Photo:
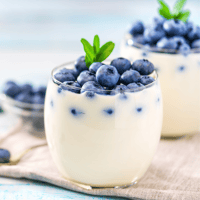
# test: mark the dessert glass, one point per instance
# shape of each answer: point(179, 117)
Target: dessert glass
point(179, 76)
point(105, 141)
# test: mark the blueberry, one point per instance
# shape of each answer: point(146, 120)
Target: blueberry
point(95, 66)
point(109, 111)
point(74, 72)
point(121, 64)
point(143, 66)
point(62, 77)
point(152, 36)
point(189, 26)
point(86, 76)
point(59, 89)
point(107, 76)
point(120, 89)
point(80, 64)
point(137, 28)
point(158, 23)
point(71, 86)
point(130, 76)
point(174, 27)
point(184, 49)
point(41, 90)
point(24, 97)
point(4, 156)
point(38, 99)
point(92, 86)
point(196, 44)
point(194, 34)
point(179, 40)
point(76, 112)
point(134, 87)
point(166, 43)
point(27, 88)
point(11, 89)
point(145, 80)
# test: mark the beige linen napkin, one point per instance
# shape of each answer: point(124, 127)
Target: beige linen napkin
point(173, 174)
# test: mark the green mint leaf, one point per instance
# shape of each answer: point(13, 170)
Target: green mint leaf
point(164, 10)
point(178, 7)
point(105, 51)
point(166, 15)
point(90, 55)
point(88, 61)
point(96, 44)
point(183, 16)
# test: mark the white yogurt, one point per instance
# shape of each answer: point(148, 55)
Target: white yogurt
point(100, 149)
point(180, 83)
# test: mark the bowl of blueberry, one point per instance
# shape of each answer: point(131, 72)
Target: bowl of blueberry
point(103, 118)
point(172, 43)
point(25, 102)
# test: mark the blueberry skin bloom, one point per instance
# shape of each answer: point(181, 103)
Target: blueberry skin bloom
point(62, 77)
point(80, 64)
point(71, 86)
point(92, 86)
point(145, 80)
point(85, 76)
point(137, 28)
point(121, 64)
point(184, 49)
point(152, 36)
point(4, 156)
point(71, 71)
point(27, 88)
point(130, 76)
point(158, 23)
point(38, 99)
point(143, 66)
point(107, 76)
point(166, 43)
point(95, 66)
point(175, 27)
point(179, 40)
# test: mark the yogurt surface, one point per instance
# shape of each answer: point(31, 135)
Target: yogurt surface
point(179, 77)
point(105, 141)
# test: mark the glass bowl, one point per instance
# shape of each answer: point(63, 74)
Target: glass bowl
point(103, 140)
point(31, 115)
point(179, 76)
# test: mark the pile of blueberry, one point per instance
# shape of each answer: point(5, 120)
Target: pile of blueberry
point(118, 77)
point(167, 34)
point(25, 93)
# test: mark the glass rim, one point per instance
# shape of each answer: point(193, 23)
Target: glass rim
point(154, 75)
point(129, 37)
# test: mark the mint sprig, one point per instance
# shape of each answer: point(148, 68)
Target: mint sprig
point(96, 53)
point(177, 12)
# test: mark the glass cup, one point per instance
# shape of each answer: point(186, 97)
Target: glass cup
point(179, 76)
point(106, 140)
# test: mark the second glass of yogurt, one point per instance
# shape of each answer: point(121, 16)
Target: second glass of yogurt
point(179, 76)
point(106, 140)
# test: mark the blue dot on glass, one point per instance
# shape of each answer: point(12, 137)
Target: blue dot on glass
point(59, 90)
point(75, 112)
point(109, 111)
point(182, 68)
point(90, 94)
point(144, 54)
point(51, 103)
point(139, 110)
